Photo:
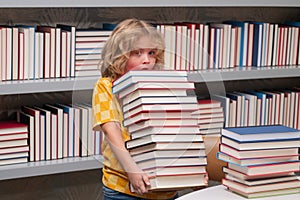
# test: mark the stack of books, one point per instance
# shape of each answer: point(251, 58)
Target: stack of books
point(262, 160)
point(89, 44)
point(211, 121)
point(210, 117)
point(165, 140)
point(14, 147)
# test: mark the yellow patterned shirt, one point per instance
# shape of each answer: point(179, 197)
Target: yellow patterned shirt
point(106, 108)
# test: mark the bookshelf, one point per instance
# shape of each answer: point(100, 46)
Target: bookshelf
point(50, 167)
point(91, 12)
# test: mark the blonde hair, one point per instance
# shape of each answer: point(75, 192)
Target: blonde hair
point(116, 51)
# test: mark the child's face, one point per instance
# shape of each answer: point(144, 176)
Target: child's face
point(143, 57)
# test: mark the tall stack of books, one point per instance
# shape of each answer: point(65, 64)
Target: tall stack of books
point(14, 147)
point(165, 140)
point(262, 160)
point(211, 121)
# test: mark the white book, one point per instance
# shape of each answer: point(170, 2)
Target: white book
point(59, 137)
point(29, 120)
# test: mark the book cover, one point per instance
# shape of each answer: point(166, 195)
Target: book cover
point(267, 168)
point(256, 145)
point(262, 133)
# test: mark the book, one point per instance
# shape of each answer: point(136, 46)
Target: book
point(13, 161)
point(178, 181)
point(37, 135)
point(262, 133)
point(267, 193)
point(159, 101)
point(165, 153)
point(160, 108)
point(257, 153)
point(150, 74)
point(12, 127)
point(157, 86)
point(256, 161)
point(29, 120)
point(154, 115)
point(14, 149)
point(163, 138)
point(250, 145)
point(176, 161)
point(153, 93)
point(267, 168)
point(12, 136)
point(164, 130)
point(175, 170)
point(166, 145)
point(117, 87)
point(166, 122)
point(14, 155)
point(264, 180)
point(260, 188)
point(245, 177)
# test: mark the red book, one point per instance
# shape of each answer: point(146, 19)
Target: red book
point(12, 127)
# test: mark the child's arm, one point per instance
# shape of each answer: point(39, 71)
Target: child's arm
point(138, 179)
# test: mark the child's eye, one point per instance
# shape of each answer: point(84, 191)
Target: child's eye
point(137, 52)
point(152, 53)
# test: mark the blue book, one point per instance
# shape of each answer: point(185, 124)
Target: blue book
point(257, 43)
point(261, 133)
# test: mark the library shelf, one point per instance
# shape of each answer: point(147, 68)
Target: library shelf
point(87, 83)
point(39, 168)
point(153, 3)
point(244, 73)
point(47, 85)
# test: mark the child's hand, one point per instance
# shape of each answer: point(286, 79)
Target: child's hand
point(139, 182)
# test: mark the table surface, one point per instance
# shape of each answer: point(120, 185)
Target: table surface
point(220, 192)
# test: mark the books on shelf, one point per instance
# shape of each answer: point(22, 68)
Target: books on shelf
point(14, 147)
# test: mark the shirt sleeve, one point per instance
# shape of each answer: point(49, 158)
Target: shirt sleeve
point(105, 105)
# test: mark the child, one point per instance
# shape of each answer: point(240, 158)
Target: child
point(133, 45)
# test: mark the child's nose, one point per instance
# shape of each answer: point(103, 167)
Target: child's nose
point(146, 59)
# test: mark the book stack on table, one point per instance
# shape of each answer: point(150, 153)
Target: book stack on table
point(165, 140)
point(262, 160)
point(14, 146)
